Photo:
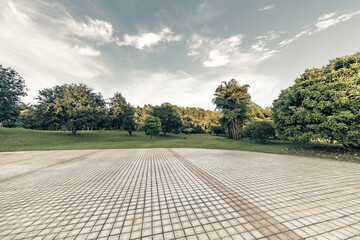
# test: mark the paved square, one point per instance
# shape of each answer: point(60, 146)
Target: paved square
point(176, 194)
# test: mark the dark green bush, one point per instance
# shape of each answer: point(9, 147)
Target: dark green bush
point(261, 130)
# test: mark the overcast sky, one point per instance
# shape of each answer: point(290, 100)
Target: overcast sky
point(174, 51)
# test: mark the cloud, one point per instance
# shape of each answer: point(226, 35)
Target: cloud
point(214, 52)
point(37, 42)
point(88, 51)
point(266, 8)
point(297, 36)
point(221, 52)
point(323, 22)
point(149, 39)
point(95, 29)
point(262, 41)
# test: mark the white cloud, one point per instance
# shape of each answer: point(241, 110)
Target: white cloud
point(226, 51)
point(297, 36)
point(88, 51)
point(95, 29)
point(214, 52)
point(323, 22)
point(326, 16)
point(36, 41)
point(262, 41)
point(266, 8)
point(146, 40)
point(216, 59)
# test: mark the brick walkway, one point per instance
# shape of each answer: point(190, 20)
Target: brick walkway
point(176, 194)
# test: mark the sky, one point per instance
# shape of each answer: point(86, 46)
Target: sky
point(175, 51)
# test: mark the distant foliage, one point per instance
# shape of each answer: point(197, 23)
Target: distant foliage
point(197, 119)
point(152, 126)
point(323, 104)
point(258, 113)
point(170, 120)
point(12, 87)
point(260, 130)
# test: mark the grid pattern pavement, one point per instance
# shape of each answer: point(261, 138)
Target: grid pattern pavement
point(176, 194)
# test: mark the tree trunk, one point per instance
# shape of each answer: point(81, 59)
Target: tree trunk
point(129, 132)
point(73, 130)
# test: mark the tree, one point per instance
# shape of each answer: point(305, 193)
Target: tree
point(232, 100)
point(128, 122)
point(12, 87)
point(117, 110)
point(323, 104)
point(122, 114)
point(74, 106)
point(152, 126)
point(170, 121)
point(260, 130)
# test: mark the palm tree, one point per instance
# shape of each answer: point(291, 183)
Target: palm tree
point(232, 100)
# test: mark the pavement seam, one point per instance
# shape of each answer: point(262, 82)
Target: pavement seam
point(240, 204)
point(46, 167)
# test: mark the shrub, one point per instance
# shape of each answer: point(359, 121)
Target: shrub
point(152, 126)
point(261, 130)
point(323, 104)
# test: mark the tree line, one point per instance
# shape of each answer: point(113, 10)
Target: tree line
point(322, 105)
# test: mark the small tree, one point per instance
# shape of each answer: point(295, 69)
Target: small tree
point(260, 130)
point(152, 126)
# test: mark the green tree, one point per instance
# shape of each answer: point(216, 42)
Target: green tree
point(323, 104)
point(122, 114)
point(170, 121)
point(233, 100)
point(12, 87)
point(117, 110)
point(128, 122)
point(260, 130)
point(71, 105)
point(152, 126)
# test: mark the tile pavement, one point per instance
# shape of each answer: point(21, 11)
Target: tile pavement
point(176, 194)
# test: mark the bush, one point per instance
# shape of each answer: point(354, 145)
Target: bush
point(217, 130)
point(152, 126)
point(188, 130)
point(261, 130)
point(323, 104)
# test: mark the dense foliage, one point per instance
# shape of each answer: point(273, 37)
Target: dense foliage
point(121, 114)
point(323, 104)
point(260, 130)
point(233, 101)
point(152, 126)
point(73, 106)
point(193, 120)
point(12, 87)
point(170, 120)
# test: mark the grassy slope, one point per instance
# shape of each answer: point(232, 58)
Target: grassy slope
point(25, 140)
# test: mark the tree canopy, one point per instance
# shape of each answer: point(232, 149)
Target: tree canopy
point(170, 120)
point(233, 100)
point(152, 126)
point(322, 104)
point(12, 87)
point(71, 105)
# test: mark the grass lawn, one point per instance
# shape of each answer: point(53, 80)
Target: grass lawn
point(16, 139)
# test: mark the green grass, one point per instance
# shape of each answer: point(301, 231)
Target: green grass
point(16, 139)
